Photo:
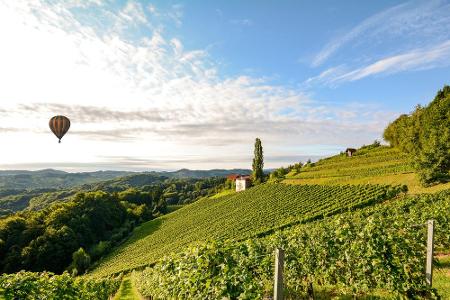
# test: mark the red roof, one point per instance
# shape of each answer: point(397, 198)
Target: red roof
point(233, 176)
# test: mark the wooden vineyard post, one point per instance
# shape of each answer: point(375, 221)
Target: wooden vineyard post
point(430, 245)
point(278, 282)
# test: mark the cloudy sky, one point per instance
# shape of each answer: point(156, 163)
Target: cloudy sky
point(191, 84)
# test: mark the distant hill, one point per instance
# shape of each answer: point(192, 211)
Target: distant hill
point(186, 173)
point(55, 179)
point(134, 180)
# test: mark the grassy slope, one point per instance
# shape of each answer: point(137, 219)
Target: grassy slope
point(441, 275)
point(234, 216)
point(127, 291)
point(381, 165)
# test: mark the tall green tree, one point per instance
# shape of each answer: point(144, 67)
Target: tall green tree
point(258, 163)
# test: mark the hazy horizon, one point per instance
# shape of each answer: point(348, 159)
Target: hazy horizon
point(79, 168)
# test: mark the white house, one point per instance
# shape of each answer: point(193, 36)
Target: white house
point(242, 183)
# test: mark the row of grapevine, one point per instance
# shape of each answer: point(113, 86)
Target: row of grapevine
point(378, 161)
point(380, 247)
point(255, 212)
point(46, 285)
point(357, 172)
point(383, 155)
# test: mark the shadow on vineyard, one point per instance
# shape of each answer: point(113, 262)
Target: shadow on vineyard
point(141, 232)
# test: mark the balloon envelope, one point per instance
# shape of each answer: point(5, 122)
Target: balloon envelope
point(59, 126)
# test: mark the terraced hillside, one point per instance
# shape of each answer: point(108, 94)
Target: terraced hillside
point(378, 165)
point(377, 252)
point(238, 216)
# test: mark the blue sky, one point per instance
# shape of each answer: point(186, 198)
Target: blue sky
point(173, 84)
point(283, 39)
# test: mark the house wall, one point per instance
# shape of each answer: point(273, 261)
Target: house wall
point(241, 185)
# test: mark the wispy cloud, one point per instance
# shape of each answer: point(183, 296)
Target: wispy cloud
point(176, 14)
point(417, 59)
point(91, 114)
point(8, 129)
point(243, 22)
point(413, 22)
point(132, 14)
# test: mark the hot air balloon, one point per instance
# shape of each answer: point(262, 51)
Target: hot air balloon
point(59, 126)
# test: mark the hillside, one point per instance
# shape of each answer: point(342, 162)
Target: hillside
point(238, 216)
point(20, 190)
point(369, 165)
point(377, 252)
point(330, 193)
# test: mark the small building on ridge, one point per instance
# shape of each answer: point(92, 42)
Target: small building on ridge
point(350, 151)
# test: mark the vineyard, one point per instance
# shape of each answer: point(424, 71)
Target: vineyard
point(45, 285)
point(379, 247)
point(255, 212)
point(378, 161)
point(380, 165)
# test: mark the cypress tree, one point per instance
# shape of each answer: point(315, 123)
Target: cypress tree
point(258, 163)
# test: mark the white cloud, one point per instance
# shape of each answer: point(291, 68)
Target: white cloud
point(146, 97)
point(415, 23)
point(243, 22)
point(133, 13)
point(176, 14)
point(83, 3)
point(151, 8)
point(417, 59)
point(438, 56)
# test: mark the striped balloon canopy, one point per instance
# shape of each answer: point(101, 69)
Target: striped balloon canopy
point(59, 126)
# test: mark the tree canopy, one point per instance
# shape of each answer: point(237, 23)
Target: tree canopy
point(425, 136)
point(51, 239)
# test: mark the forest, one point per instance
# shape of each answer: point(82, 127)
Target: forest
point(70, 230)
point(173, 190)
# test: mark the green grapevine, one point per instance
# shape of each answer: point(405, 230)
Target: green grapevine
point(255, 212)
point(46, 285)
point(377, 247)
